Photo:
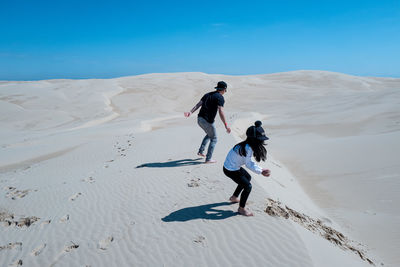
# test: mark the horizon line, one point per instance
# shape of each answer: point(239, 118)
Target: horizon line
point(185, 72)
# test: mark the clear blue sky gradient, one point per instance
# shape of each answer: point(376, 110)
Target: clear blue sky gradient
point(106, 39)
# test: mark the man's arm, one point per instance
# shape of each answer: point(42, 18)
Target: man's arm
point(222, 116)
point(187, 114)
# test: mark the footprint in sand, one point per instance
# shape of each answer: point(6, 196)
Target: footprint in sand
point(71, 247)
point(17, 263)
point(74, 197)
point(13, 193)
point(123, 149)
point(199, 239)
point(103, 244)
point(194, 182)
point(89, 180)
point(38, 250)
point(64, 218)
point(28, 221)
point(11, 220)
point(45, 223)
point(16, 245)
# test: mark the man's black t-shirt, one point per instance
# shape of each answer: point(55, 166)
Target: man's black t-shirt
point(210, 104)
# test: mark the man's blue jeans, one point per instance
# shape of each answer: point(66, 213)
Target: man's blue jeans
point(211, 135)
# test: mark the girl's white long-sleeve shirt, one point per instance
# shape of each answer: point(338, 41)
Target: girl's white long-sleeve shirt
point(234, 161)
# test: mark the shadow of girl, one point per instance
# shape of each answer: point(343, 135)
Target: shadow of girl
point(208, 212)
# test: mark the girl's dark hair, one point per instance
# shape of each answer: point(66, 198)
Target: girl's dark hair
point(259, 151)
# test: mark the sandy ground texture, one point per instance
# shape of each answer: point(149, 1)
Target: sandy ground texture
point(105, 172)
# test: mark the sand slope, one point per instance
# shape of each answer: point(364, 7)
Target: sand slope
point(104, 172)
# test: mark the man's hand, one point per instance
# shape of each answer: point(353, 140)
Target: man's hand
point(266, 172)
point(228, 130)
point(187, 114)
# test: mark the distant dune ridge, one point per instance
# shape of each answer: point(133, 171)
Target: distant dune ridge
point(105, 173)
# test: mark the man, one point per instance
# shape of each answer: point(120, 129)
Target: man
point(210, 103)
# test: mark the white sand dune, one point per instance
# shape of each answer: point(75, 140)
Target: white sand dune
point(105, 172)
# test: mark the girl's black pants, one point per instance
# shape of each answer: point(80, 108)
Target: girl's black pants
point(242, 178)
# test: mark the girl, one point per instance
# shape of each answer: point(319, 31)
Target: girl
point(240, 155)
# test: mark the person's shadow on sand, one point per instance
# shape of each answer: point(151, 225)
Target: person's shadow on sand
point(174, 163)
point(207, 212)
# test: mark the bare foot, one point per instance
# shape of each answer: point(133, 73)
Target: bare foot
point(234, 199)
point(211, 161)
point(201, 155)
point(245, 212)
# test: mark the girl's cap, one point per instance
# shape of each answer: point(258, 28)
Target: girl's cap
point(256, 131)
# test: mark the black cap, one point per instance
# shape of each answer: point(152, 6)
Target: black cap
point(221, 85)
point(256, 131)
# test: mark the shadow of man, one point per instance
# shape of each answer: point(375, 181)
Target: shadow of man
point(169, 164)
point(208, 212)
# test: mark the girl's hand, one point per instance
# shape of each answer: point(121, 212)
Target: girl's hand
point(187, 114)
point(266, 172)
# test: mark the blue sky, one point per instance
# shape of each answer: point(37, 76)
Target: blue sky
point(106, 39)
